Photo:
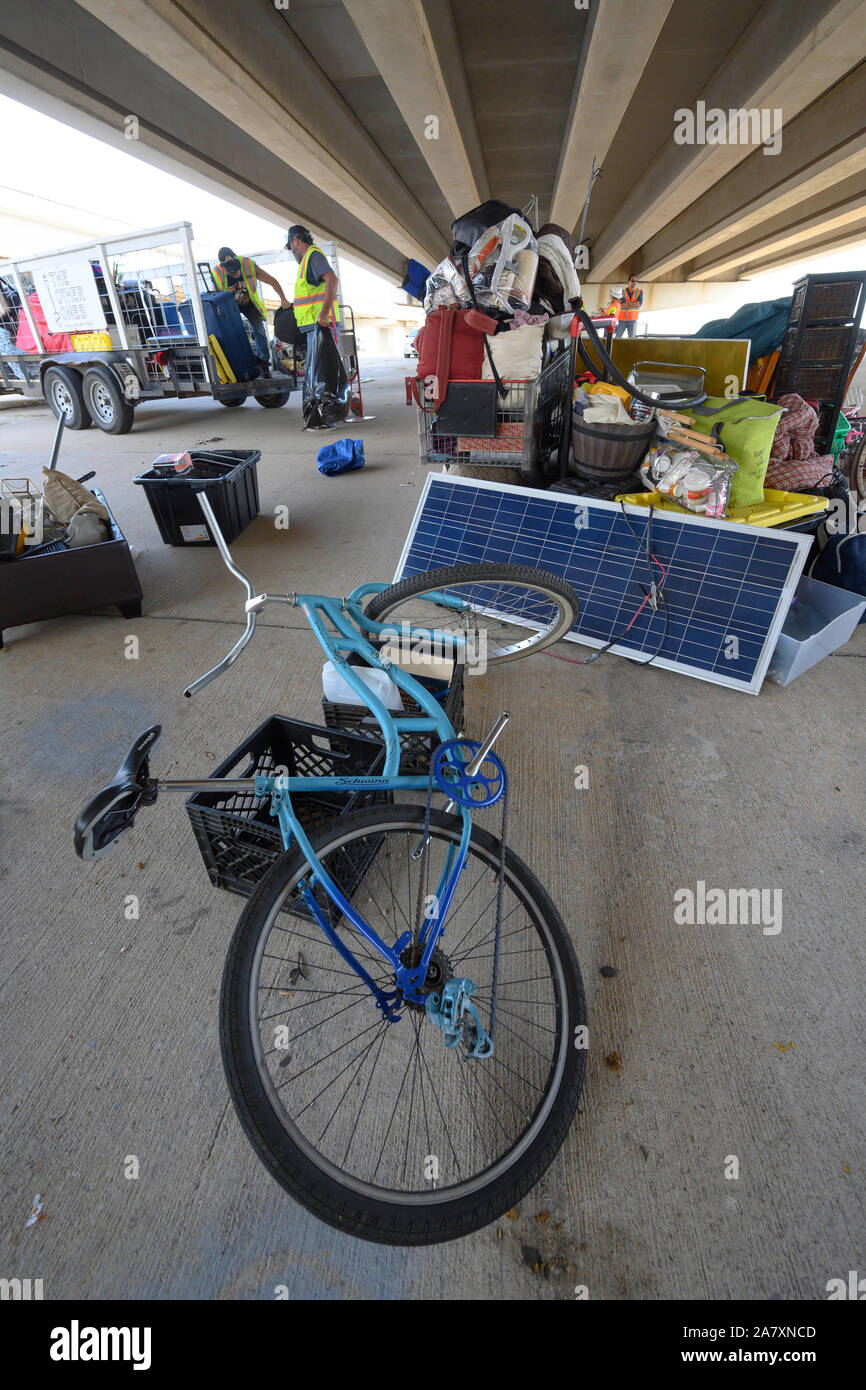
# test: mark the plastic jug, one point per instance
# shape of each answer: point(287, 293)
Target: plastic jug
point(337, 689)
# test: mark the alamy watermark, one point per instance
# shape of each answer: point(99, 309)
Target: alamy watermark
point(412, 646)
point(719, 907)
point(738, 126)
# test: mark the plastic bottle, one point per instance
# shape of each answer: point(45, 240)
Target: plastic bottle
point(337, 689)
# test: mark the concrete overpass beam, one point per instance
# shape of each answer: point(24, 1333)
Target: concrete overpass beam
point(825, 146)
point(786, 58)
point(414, 46)
point(236, 59)
point(607, 76)
point(806, 251)
point(816, 217)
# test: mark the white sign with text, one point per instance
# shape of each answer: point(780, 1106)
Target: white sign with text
point(69, 297)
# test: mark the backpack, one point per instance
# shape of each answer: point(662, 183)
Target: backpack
point(841, 560)
point(450, 346)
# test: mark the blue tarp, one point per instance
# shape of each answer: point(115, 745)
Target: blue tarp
point(763, 323)
point(341, 456)
point(416, 279)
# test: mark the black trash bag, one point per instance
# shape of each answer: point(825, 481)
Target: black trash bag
point(285, 325)
point(327, 395)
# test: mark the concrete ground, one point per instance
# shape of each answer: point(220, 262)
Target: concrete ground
point(708, 1044)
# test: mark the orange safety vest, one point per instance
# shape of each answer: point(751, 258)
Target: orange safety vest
point(248, 271)
point(630, 307)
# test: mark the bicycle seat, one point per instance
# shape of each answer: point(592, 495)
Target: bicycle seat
point(114, 808)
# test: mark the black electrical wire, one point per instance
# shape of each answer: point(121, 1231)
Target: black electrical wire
point(669, 403)
point(655, 596)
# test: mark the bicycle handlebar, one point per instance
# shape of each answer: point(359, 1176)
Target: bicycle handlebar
point(198, 486)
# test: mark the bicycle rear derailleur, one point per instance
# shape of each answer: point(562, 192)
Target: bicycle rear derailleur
point(452, 1010)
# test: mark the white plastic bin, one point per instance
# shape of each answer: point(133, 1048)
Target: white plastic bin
point(821, 619)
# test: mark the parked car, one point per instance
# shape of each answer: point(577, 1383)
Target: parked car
point(409, 349)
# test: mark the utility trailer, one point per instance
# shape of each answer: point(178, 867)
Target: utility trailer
point(99, 328)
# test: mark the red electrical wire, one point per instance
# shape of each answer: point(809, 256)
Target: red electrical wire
point(583, 661)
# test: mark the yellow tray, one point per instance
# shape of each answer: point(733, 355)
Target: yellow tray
point(776, 508)
point(91, 342)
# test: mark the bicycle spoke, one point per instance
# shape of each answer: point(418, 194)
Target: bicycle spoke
point(386, 1102)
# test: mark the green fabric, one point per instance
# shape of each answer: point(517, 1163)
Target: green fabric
point(747, 439)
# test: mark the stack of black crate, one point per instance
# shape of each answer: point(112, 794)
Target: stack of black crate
point(820, 343)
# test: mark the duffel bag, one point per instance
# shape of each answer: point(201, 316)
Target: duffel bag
point(450, 345)
point(841, 560)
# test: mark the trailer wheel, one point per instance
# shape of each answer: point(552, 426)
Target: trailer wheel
point(63, 391)
point(274, 401)
point(233, 400)
point(104, 398)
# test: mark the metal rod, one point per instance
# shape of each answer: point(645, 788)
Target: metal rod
point(593, 175)
point(204, 503)
point(113, 296)
point(25, 306)
point(250, 628)
point(55, 447)
point(193, 290)
point(211, 784)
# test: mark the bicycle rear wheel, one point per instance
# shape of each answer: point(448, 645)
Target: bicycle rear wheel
point(376, 1127)
point(518, 609)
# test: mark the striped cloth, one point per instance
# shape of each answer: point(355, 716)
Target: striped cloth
point(794, 465)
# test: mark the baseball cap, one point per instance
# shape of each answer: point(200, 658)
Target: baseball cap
point(225, 253)
point(298, 231)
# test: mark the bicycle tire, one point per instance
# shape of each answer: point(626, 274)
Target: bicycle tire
point(403, 1218)
point(857, 470)
point(550, 586)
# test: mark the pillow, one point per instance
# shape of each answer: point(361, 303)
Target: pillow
point(516, 352)
point(63, 496)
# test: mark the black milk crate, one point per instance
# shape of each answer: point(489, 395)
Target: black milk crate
point(239, 839)
point(416, 750)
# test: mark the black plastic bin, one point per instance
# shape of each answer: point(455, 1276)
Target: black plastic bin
point(239, 839)
point(416, 750)
point(233, 494)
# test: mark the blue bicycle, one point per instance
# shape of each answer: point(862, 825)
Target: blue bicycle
point(402, 1012)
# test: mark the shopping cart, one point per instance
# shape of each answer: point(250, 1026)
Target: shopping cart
point(528, 423)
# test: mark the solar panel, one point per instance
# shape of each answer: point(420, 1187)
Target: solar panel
point(728, 587)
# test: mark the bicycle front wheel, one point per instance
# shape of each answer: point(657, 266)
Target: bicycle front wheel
point(517, 609)
point(374, 1126)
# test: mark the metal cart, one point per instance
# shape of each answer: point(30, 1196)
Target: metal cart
point(529, 423)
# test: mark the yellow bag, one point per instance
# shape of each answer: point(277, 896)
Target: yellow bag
point(607, 388)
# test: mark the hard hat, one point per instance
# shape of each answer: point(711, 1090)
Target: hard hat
point(617, 291)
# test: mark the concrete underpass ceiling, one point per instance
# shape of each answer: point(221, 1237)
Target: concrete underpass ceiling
point(319, 111)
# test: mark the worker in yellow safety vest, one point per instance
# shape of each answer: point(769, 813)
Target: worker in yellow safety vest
point(316, 283)
point(629, 308)
point(240, 276)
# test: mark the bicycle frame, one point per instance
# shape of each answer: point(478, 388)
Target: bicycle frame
point(320, 610)
point(339, 626)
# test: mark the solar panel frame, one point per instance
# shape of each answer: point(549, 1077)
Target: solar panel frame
point(564, 535)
